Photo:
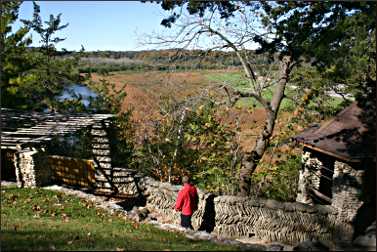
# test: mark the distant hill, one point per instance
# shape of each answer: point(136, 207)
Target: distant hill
point(162, 60)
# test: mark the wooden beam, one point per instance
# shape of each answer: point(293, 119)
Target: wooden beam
point(320, 195)
point(355, 160)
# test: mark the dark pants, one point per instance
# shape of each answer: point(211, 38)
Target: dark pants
point(186, 221)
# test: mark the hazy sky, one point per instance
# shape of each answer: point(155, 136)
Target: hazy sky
point(106, 25)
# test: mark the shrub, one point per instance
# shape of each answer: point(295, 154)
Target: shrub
point(279, 183)
point(189, 140)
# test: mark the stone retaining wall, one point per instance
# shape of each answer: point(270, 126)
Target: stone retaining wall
point(271, 220)
point(239, 217)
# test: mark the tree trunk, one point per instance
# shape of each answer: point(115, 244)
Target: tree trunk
point(178, 144)
point(251, 159)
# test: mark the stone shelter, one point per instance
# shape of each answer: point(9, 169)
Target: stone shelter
point(37, 149)
point(339, 164)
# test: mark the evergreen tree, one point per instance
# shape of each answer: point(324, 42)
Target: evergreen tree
point(33, 78)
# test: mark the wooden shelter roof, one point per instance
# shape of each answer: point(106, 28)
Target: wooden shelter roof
point(20, 128)
point(342, 137)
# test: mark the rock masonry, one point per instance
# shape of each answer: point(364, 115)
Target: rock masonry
point(31, 168)
point(101, 156)
point(237, 217)
point(309, 175)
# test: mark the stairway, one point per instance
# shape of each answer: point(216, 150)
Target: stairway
point(109, 180)
point(102, 158)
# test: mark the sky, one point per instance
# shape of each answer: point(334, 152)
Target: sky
point(100, 25)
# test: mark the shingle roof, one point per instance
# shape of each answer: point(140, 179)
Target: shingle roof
point(20, 128)
point(341, 137)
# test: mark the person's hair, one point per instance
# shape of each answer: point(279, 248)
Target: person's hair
point(185, 179)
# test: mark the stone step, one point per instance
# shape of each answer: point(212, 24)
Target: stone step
point(103, 184)
point(98, 133)
point(102, 152)
point(103, 159)
point(104, 146)
point(100, 140)
point(97, 126)
point(103, 173)
point(104, 165)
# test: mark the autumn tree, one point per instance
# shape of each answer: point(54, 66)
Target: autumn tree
point(322, 33)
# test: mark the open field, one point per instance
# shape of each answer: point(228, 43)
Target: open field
point(146, 90)
point(43, 220)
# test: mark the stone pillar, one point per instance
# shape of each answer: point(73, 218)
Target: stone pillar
point(32, 168)
point(346, 190)
point(309, 177)
point(102, 155)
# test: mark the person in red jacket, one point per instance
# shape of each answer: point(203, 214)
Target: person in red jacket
point(187, 202)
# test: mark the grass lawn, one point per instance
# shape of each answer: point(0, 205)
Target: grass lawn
point(38, 219)
point(239, 82)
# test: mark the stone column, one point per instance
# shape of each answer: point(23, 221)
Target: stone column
point(309, 177)
point(346, 190)
point(32, 168)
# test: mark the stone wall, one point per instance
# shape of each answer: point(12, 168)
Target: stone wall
point(72, 171)
point(161, 198)
point(347, 189)
point(271, 220)
point(240, 217)
point(127, 181)
point(32, 168)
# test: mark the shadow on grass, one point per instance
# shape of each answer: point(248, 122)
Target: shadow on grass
point(47, 240)
point(148, 239)
point(43, 240)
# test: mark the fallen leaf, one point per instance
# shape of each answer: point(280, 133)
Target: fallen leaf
point(135, 225)
point(36, 208)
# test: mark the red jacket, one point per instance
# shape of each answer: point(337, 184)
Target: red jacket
point(187, 200)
